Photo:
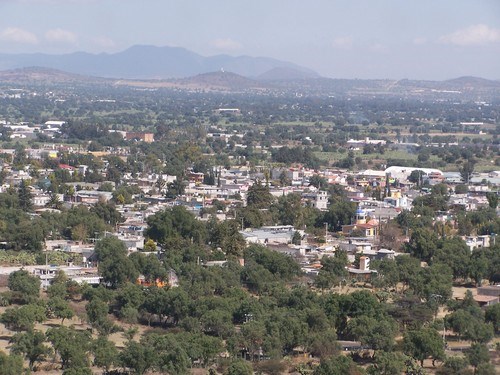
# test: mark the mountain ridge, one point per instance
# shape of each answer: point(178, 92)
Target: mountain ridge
point(297, 83)
point(148, 62)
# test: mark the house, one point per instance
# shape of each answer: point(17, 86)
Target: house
point(318, 199)
point(279, 234)
point(476, 242)
point(79, 274)
point(363, 272)
point(367, 228)
point(488, 295)
point(145, 137)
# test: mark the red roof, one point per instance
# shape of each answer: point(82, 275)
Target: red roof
point(66, 166)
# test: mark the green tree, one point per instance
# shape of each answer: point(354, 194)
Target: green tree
point(149, 266)
point(492, 199)
point(26, 287)
point(424, 343)
point(339, 365)
point(226, 235)
point(60, 308)
point(422, 244)
point(454, 366)
point(466, 170)
point(72, 346)
point(31, 345)
point(24, 317)
point(138, 357)
point(258, 196)
point(388, 363)
point(171, 356)
point(492, 315)
point(114, 265)
point(377, 333)
point(341, 212)
point(289, 210)
point(97, 315)
point(175, 188)
point(105, 353)
point(11, 364)
point(333, 270)
point(239, 367)
point(477, 355)
point(470, 325)
point(318, 182)
point(108, 213)
point(175, 223)
point(25, 197)
point(455, 254)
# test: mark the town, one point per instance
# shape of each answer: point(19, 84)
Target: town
point(230, 232)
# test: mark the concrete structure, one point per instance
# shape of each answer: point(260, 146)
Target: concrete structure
point(279, 234)
point(79, 274)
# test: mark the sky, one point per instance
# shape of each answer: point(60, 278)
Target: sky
point(366, 39)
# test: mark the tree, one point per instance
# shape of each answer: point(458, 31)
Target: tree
point(454, 366)
point(108, 213)
point(171, 357)
point(422, 244)
point(11, 364)
point(239, 367)
point(72, 346)
point(492, 315)
point(376, 333)
point(78, 371)
point(324, 344)
point(289, 210)
point(433, 283)
point(114, 265)
point(54, 201)
point(477, 355)
point(333, 270)
point(226, 236)
point(23, 318)
point(470, 325)
point(259, 196)
point(97, 316)
point(337, 365)
point(453, 252)
point(149, 266)
point(174, 224)
point(339, 213)
point(25, 197)
point(138, 357)
point(297, 238)
point(60, 308)
point(388, 363)
point(479, 266)
point(175, 188)
point(25, 286)
point(105, 353)
point(466, 170)
point(424, 343)
point(32, 345)
point(461, 189)
point(492, 199)
point(150, 246)
point(318, 182)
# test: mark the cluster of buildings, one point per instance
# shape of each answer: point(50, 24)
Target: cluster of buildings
point(395, 193)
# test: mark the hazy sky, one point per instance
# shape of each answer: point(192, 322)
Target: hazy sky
point(415, 39)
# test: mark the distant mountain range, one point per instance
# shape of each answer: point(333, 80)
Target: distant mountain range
point(150, 62)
